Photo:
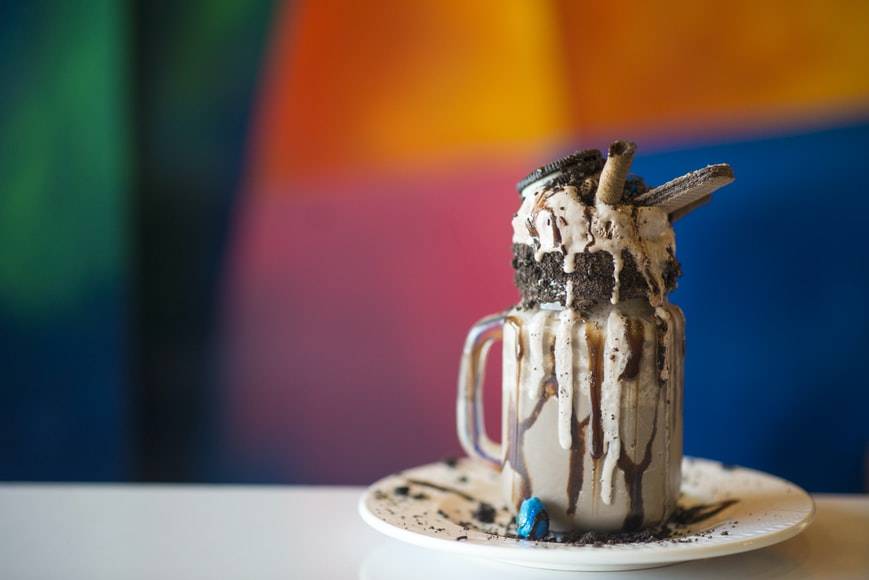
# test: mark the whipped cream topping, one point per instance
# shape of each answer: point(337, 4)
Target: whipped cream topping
point(555, 220)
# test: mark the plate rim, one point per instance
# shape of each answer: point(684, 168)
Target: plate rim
point(531, 552)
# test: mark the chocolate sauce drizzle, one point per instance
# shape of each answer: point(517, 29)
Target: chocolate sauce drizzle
point(442, 488)
point(556, 231)
point(698, 513)
point(517, 428)
point(635, 336)
point(634, 478)
point(516, 440)
point(513, 452)
point(595, 357)
point(661, 329)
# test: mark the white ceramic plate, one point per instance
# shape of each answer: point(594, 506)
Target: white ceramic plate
point(769, 510)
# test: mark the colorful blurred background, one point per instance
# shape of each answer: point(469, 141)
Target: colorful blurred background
point(243, 240)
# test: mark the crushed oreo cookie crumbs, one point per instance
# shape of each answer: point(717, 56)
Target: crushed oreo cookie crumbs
point(485, 513)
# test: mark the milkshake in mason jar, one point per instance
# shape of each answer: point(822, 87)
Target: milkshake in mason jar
point(593, 354)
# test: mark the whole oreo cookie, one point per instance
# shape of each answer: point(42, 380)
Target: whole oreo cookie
point(570, 170)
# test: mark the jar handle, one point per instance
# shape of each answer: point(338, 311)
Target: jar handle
point(469, 405)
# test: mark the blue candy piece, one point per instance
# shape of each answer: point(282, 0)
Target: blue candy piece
point(532, 522)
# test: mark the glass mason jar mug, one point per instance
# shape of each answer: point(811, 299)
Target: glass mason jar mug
point(591, 411)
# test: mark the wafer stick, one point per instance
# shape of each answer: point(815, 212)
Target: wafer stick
point(679, 196)
point(615, 171)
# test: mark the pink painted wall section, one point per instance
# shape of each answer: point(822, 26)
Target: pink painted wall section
point(347, 314)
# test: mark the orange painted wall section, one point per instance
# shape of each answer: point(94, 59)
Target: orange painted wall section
point(373, 85)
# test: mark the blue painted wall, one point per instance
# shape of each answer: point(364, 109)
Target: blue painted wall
point(775, 290)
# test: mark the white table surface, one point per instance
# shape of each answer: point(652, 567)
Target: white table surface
point(190, 532)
